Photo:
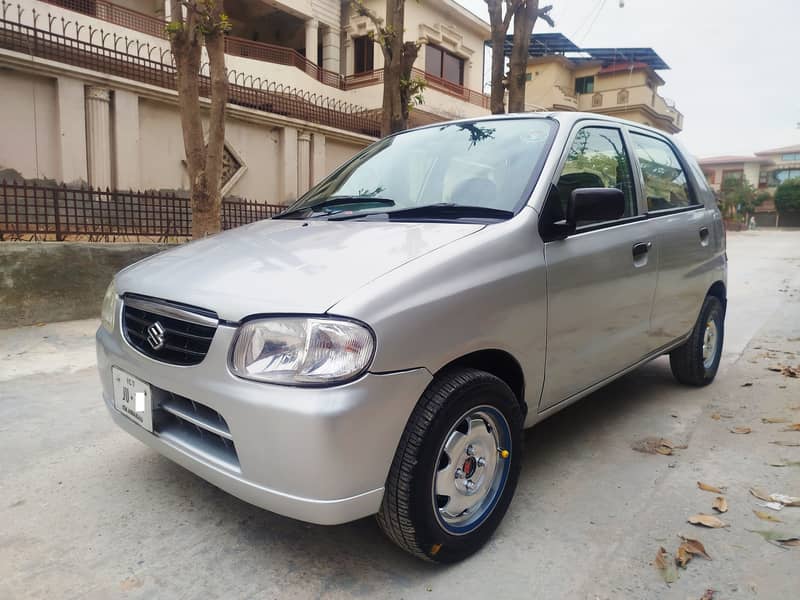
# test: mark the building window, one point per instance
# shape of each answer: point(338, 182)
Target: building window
point(790, 157)
point(709, 176)
point(732, 174)
point(364, 54)
point(443, 64)
point(584, 85)
point(786, 174)
point(528, 76)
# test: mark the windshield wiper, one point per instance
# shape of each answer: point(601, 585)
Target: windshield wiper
point(338, 201)
point(437, 211)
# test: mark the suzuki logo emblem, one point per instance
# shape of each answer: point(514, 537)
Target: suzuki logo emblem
point(155, 336)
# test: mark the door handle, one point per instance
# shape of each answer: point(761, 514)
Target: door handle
point(640, 249)
point(704, 233)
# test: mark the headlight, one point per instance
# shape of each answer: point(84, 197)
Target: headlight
point(300, 350)
point(109, 309)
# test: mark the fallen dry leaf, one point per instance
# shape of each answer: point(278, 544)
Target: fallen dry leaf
point(778, 538)
point(682, 556)
point(707, 521)
point(786, 371)
point(665, 566)
point(786, 463)
point(774, 420)
point(720, 504)
point(793, 427)
point(708, 594)
point(759, 494)
point(766, 516)
point(748, 384)
point(710, 488)
point(717, 416)
point(655, 445)
point(740, 429)
point(695, 547)
point(785, 500)
point(785, 443)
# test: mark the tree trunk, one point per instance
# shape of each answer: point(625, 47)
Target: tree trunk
point(393, 120)
point(524, 20)
point(203, 159)
point(410, 51)
point(499, 27)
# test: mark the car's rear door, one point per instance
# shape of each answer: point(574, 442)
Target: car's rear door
point(601, 279)
point(683, 228)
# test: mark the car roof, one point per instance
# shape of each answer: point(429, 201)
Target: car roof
point(567, 118)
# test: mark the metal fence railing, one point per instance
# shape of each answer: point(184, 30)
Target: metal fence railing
point(30, 211)
point(152, 64)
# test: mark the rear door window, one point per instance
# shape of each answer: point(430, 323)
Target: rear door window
point(665, 183)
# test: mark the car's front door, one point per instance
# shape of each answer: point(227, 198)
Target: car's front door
point(601, 279)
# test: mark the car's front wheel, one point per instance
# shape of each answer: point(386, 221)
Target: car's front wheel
point(696, 361)
point(456, 467)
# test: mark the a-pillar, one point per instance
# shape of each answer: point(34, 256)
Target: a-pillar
point(303, 162)
point(98, 136)
point(312, 40)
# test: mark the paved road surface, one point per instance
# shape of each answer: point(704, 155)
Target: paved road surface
point(88, 512)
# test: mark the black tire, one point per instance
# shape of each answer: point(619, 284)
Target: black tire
point(686, 361)
point(407, 514)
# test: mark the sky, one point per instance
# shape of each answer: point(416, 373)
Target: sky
point(734, 65)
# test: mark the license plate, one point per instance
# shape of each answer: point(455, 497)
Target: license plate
point(132, 398)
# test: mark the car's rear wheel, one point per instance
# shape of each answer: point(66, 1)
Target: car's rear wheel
point(696, 361)
point(456, 467)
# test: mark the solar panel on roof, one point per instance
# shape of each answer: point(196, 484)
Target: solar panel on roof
point(547, 44)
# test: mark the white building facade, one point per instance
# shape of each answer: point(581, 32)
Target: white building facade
point(87, 90)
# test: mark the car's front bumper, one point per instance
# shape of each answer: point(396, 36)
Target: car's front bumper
point(316, 454)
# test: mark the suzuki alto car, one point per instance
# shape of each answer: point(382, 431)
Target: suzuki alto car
point(380, 346)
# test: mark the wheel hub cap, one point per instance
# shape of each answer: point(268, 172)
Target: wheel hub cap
point(710, 343)
point(471, 472)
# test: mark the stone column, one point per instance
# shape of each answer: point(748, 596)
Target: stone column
point(317, 158)
point(98, 136)
point(72, 130)
point(288, 165)
point(312, 39)
point(330, 49)
point(303, 162)
point(125, 116)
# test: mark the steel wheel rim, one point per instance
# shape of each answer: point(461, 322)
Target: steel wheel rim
point(471, 473)
point(710, 341)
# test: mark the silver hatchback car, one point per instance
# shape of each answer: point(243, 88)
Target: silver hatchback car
point(380, 346)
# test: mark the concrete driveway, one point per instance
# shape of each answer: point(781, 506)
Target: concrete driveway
point(88, 512)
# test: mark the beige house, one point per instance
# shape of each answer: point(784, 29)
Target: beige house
point(87, 90)
point(621, 82)
point(765, 171)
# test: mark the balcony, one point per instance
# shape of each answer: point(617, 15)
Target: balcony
point(262, 51)
point(634, 98)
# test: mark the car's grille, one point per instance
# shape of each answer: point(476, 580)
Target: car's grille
point(196, 427)
point(168, 332)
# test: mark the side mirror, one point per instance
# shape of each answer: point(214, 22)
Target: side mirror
point(595, 204)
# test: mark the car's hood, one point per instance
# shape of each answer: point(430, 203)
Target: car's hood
point(284, 266)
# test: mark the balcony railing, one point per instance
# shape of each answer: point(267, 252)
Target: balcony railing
point(154, 66)
point(131, 19)
point(437, 83)
point(281, 55)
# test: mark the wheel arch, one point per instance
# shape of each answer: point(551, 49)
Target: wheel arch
point(499, 363)
point(718, 290)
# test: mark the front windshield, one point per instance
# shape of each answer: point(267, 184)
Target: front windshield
point(488, 164)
